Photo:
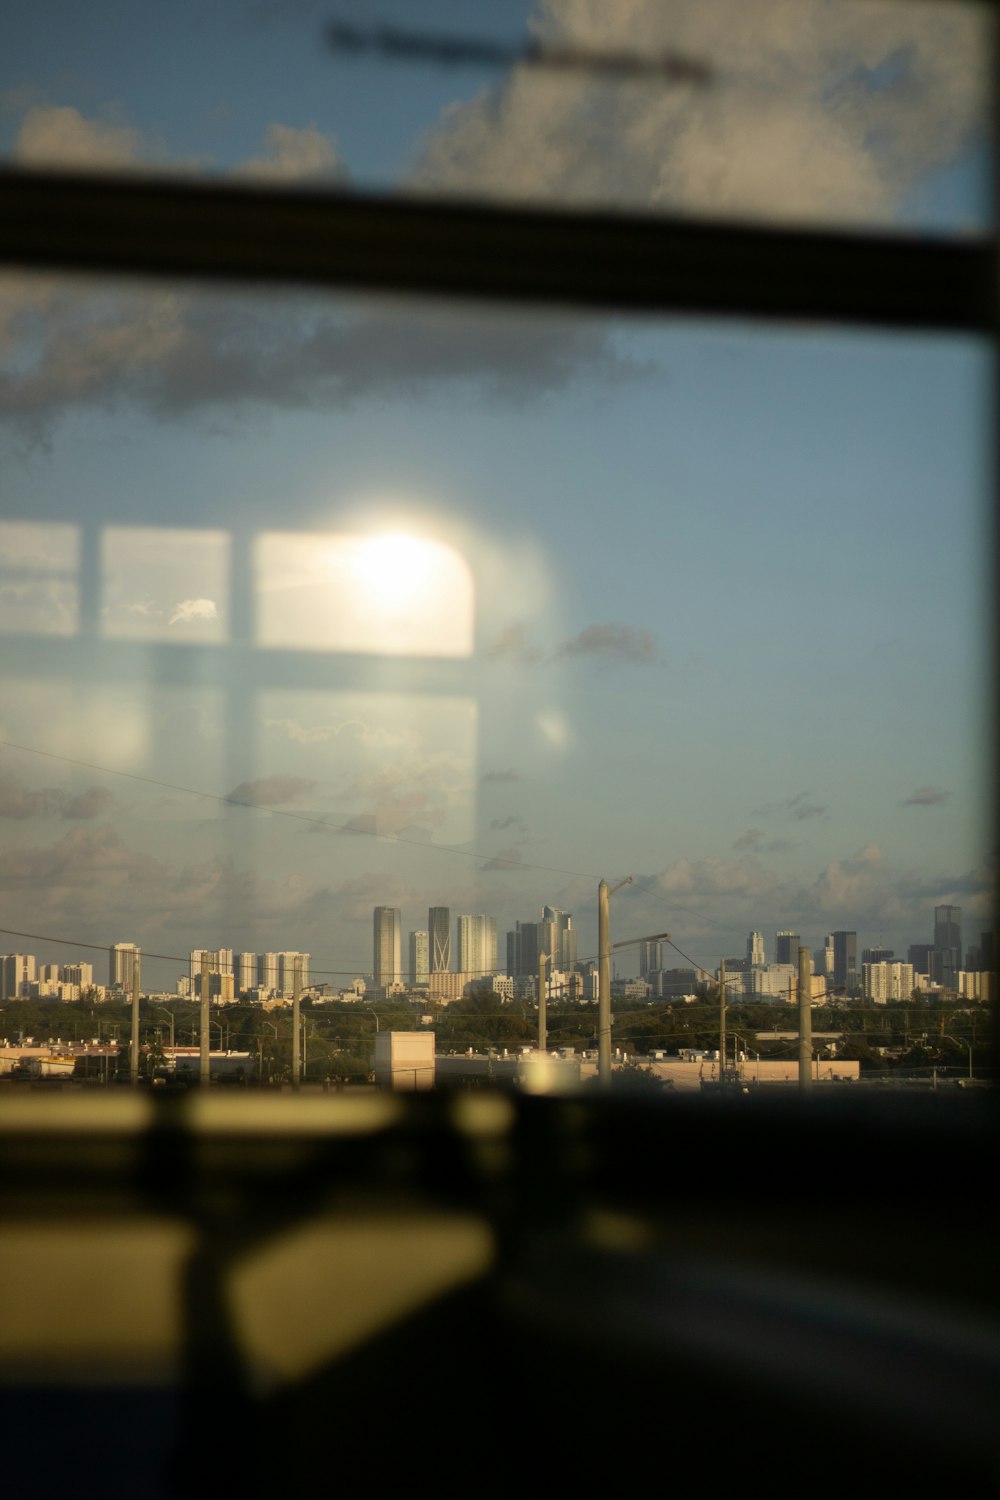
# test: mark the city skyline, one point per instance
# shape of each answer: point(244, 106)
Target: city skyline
point(317, 602)
point(940, 962)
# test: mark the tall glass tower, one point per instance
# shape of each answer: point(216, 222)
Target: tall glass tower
point(439, 939)
point(947, 945)
point(386, 967)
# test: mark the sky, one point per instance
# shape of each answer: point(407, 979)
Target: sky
point(317, 603)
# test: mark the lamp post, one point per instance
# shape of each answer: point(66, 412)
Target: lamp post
point(543, 1036)
point(204, 1028)
point(296, 1037)
point(133, 1051)
point(223, 1035)
point(260, 1050)
point(604, 894)
point(805, 1020)
point(159, 1009)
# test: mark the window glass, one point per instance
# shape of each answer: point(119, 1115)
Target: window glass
point(321, 605)
point(863, 112)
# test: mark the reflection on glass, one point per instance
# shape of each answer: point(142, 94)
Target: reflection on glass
point(802, 111)
point(161, 584)
point(667, 601)
point(39, 591)
point(388, 594)
point(396, 765)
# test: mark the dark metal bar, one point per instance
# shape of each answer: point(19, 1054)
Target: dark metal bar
point(128, 224)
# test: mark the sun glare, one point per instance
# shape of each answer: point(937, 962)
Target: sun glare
point(388, 593)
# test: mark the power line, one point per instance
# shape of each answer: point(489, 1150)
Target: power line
point(644, 883)
point(284, 812)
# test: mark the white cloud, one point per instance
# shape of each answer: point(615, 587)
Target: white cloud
point(194, 609)
point(59, 136)
point(291, 155)
point(815, 112)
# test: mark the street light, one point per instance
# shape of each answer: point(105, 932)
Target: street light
point(260, 1049)
point(543, 1037)
point(604, 894)
point(223, 1035)
point(169, 1015)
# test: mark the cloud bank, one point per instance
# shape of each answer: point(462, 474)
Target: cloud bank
point(816, 112)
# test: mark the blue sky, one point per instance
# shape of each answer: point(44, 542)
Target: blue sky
point(728, 582)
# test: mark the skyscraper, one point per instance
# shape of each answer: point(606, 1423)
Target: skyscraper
point(419, 966)
point(755, 949)
point(120, 964)
point(386, 966)
point(947, 945)
point(786, 947)
point(845, 960)
point(17, 972)
point(561, 938)
point(439, 938)
point(650, 957)
point(475, 954)
point(524, 945)
point(244, 972)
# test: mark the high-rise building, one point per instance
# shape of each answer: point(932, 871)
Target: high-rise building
point(267, 971)
point(650, 957)
point(524, 945)
point(755, 949)
point(786, 947)
point(468, 944)
point(418, 967)
point(845, 960)
point(288, 963)
point(884, 981)
point(18, 972)
point(562, 938)
point(489, 945)
point(877, 956)
point(386, 967)
point(921, 956)
point(244, 972)
point(475, 944)
point(81, 974)
point(120, 964)
point(947, 945)
point(439, 939)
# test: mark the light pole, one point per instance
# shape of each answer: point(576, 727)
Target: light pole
point(159, 1009)
point(805, 1020)
point(133, 1051)
point(223, 1035)
point(204, 1029)
point(604, 894)
point(543, 1037)
point(604, 952)
point(296, 1037)
point(260, 1049)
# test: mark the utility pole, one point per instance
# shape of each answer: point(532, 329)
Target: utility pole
point(205, 1020)
point(805, 1020)
point(604, 893)
point(296, 1037)
point(133, 1054)
point(722, 1024)
point(543, 1038)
